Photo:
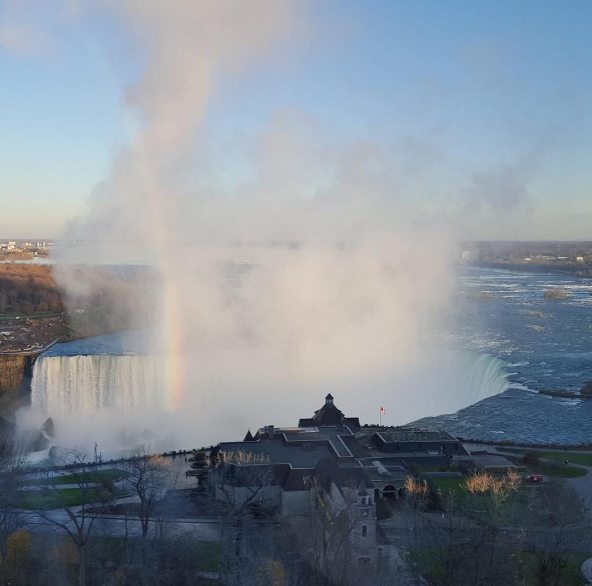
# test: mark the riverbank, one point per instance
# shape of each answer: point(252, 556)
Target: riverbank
point(583, 271)
point(565, 394)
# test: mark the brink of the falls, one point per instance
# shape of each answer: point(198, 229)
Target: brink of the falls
point(110, 390)
point(87, 384)
point(112, 371)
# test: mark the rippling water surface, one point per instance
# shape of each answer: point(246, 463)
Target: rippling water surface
point(510, 332)
point(547, 344)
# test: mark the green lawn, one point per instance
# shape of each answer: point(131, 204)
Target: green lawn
point(559, 470)
point(571, 575)
point(574, 457)
point(454, 484)
point(96, 476)
point(208, 555)
point(431, 563)
point(58, 498)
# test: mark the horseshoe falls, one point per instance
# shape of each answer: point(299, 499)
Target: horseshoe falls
point(103, 373)
point(485, 376)
point(87, 384)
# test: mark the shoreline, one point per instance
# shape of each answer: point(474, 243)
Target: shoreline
point(584, 447)
point(574, 271)
point(564, 394)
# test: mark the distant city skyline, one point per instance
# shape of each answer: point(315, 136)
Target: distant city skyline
point(483, 110)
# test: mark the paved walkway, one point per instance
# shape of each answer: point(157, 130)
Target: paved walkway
point(583, 488)
point(120, 526)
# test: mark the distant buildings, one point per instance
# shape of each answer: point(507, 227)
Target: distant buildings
point(570, 257)
point(27, 247)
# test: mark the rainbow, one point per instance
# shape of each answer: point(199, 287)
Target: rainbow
point(173, 347)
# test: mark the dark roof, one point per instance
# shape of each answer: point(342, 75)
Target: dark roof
point(298, 479)
point(328, 414)
point(354, 446)
point(352, 422)
point(381, 473)
point(276, 451)
point(349, 477)
point(254, 474)
point(409, 434)
point(248, 437)
point(332, 435)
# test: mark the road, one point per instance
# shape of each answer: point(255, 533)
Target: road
point(119, 526)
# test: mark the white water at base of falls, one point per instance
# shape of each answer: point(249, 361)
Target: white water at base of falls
point(444, 381)
point(117, 399)
point(87, 384)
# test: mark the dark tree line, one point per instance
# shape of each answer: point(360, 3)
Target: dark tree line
point(28, 288)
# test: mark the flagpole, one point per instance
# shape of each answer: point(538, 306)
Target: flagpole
point(380, 417)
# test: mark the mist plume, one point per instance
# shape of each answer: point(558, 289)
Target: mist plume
point(317, 273)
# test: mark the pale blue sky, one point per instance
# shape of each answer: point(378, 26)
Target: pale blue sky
point(477, 86)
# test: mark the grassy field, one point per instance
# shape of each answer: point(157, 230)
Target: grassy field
point(454, 485)
point(431, 562)
point(208, 554)
point(574, 457)
point(98, 476)
point(572, 574)
point(59, 498)
point(559, 470)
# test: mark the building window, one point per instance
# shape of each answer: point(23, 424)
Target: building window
point(364, 561)
point(364, 530)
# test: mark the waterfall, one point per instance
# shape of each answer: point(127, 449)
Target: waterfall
point(108, 389)
point(85, 384)
point(486, 376)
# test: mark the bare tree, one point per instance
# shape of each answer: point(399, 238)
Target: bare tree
point(148, 481)
point(76, 520)
point(12, 456)
point(343, 529)
point(331, 528)
point(458, 543)
point(554, 507)
point(246, 493)
point(550, 558)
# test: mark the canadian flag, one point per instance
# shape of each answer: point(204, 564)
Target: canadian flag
point(382, 410)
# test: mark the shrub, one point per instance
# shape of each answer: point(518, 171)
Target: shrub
point(19, 547)
point(531, 459)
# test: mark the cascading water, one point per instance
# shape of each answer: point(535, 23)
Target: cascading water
point(444, 380)
point(114, 373)
point(87, 384)
point(111, 390)
point(106, 390)
point(111, 372)
point(486, 376)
